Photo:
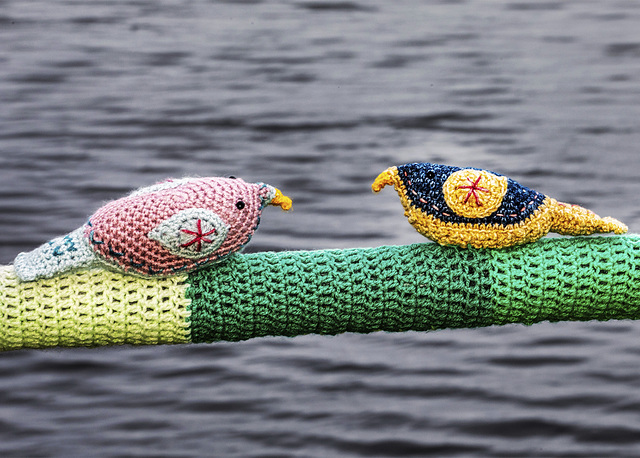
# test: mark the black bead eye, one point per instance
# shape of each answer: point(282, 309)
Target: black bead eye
point(430, 174)
point(239, 205)
point(231, 177)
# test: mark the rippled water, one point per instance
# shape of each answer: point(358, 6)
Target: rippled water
point(318, 97)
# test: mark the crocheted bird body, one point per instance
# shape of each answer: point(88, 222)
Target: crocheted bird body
point(172, 227)
point(482, 209)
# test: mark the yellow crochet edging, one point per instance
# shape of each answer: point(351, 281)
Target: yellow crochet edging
point(474, 193)
point(485, 235)
point(92, 308)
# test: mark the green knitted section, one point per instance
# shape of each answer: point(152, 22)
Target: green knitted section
point(577, 279)
point(393, 288)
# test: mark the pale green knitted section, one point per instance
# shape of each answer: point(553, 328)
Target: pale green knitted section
point(567, 279)
point(91, 308)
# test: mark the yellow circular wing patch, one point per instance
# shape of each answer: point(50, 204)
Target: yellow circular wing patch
point(474, 193)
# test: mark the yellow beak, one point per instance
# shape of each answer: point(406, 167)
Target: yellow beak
point(282, 201)
point(389, 176)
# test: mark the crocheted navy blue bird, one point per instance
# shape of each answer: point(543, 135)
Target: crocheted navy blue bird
point(483, 209)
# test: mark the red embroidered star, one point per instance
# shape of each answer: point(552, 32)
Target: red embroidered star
point(473, 188)
point(198, 238)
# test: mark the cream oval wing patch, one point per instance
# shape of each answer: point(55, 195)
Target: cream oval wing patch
point(193, 233)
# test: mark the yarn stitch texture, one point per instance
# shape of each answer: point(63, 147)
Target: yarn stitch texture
point(418, 287)
point(92, 307)
point(191, 233)
point(470, 207)
point(474, 194)
point(58, 255)
point(166, 229)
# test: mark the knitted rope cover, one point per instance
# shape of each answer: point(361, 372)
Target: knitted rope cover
point(391, 288)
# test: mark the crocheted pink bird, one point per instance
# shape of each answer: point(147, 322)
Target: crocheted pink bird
point(172, 227)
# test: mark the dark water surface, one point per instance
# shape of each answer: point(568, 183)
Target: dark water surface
point(318, 97)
